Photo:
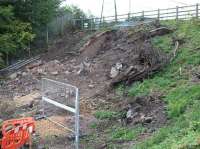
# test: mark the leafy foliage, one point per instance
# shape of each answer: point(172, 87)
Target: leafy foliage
point(37, 12)
point(14, 34)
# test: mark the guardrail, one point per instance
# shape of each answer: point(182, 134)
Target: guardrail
point(18, 65)
point(177, 13)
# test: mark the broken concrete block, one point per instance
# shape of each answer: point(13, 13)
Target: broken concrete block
point(118, 66)
point(91, 86)
point(13, 76)
point(114, 72)
point(54, 73)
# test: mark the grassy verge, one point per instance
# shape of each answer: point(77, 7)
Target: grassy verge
point(181, 89)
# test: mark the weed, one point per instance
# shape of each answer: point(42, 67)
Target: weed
point(105, 115)
point(93, 125)
point(125, 134)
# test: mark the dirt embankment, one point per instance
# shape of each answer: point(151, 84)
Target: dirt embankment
point(107, 59)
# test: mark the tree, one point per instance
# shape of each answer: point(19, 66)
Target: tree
point(37, 12)
point(15, 35)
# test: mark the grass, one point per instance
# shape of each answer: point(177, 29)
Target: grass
point(181, 94)
point(164, 43)
point(101, 115)
point(125, 134)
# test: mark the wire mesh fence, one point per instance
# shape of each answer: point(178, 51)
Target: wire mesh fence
point(60, 110)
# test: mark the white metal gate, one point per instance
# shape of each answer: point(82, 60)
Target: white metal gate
point(61, 98)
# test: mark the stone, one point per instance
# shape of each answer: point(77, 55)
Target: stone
point(129, 113)
point(36, 64)
point(81, 69)
point(67, 72)
point(54, 73)
point(148, 119)
point(40, 71)
point(86, 64)
point(118, 66)
point(24, 74)
point(91, 86)
point(56, 61)
point(13, 76)
point(114, 72)
point(19, 73)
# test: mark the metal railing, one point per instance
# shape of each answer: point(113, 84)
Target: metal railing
point(177, 13)
point(59, 100)
point(18, 65)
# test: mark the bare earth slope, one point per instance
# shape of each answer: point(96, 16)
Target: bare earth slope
point(106, 60)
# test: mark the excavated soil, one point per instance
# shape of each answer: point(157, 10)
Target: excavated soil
point(108, 58)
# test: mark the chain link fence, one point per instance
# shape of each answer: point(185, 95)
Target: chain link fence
point(60, 110)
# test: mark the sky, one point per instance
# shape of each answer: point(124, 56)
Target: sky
point(94, 6)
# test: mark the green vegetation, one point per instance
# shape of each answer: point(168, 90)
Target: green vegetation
point(14, 34)
point(24, 25)
point(164, 43)
point(20, 22)
point(125, 134)
point(120, 89)
point(180, 89)
point(105, 115)
point(181, 93)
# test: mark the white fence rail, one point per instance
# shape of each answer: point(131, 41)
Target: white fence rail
point(178, 13)
point(61, 100)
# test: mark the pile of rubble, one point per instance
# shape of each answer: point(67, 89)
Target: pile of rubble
point(108, 58)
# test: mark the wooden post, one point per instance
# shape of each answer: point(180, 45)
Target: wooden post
point(115, 10)
point(102, 11)
point(103, 21)
point(129, 17)
point(177, 13)
point(142, 15)
point(158, 14)
point(82, 23)
point(91, 23)
point(197, 11)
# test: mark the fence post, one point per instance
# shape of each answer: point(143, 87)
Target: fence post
point(142, 15)
point(128, 17)
point(197, 10)
point(115, 11)
point(103, 21)
point(177, 13)
point(91, 23)
point(82, 23)
point(158, 14)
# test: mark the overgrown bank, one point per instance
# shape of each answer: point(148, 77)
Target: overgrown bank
point(179, 84)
